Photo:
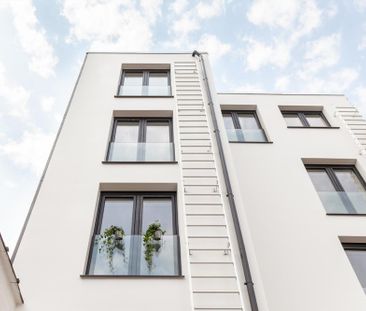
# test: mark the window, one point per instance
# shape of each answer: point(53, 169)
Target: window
point(141, 140)
point(340, 188)
point(314, 119)
point(145, 83)
point(243, 126)
point(135, 234)
point(356, 254)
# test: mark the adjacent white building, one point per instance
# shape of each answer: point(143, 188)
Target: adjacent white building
point(10, 295)
point(161, 193)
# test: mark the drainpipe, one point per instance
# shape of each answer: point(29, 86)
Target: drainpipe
point(243, 254)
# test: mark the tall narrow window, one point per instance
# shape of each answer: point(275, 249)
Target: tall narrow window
point(315, 119)
point(243, 126)
point(136, 234)
point(356, 254)
point(340, 188)
point(145, 83)
point(141, 140)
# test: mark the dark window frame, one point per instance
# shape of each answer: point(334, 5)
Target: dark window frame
point(142, 123)
point(234, 116)
point(354, 247)
point(329, 170)
point(302, 117)
point(136, 227)
point(145, 80)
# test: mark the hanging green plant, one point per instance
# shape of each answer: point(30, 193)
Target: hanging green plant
point(152, 242)
point(111, 240)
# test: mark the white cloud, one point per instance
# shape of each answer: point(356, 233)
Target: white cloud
point(360, 98)
point(209, 9)
point(178, 6)
point(362, 45)
point(332, 10)
point(273, 13)
point(112, 25)
point(282, 83)
point(47, 103)
point(184, 26)
point(296, 18)
point(338, 81)
point(249, 88)
point(360, 4)
point(31, 151)
point(259, 54)
point(211, 44)
point(15, 97)
point(323, 52)
point(32, 38)
point(186, 22)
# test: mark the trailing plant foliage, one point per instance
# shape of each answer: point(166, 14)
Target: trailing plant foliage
point(151, 242)
point(112, 240)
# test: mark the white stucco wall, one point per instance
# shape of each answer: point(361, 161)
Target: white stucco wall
point(295, 255)
point(299, 261)
point(7, 301)
point(53, 251)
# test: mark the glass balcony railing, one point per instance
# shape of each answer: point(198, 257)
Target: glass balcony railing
point(255, 135)
point(144, 90)
point(130, 256)
point(344, 202)
point(131, 152)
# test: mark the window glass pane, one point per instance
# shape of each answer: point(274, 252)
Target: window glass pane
point(228, 121)
point(157, 132)
point(358, 261)
point(248, 121)
point(292, 120)
point(321, 180)
point(133, 79)
point(349, 180)
point(157, 210)
point(158, 79)
point(117, 212)
point(127, 132)
point(316, 120)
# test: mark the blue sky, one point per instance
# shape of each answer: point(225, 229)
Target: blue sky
point(304, 46)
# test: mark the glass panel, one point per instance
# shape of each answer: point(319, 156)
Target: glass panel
point(358, 261)
point(157, 132)
point(336, 202)
point(292, 120)
point(132, 84)
point(141, 152)
point(158, 210)
point(158, 79)
point(127, 132)
point(316, 120)
point(133, 256)
point(354, 189)
point(111, 257)
point(133, 79)
point(159, 257)
point(158, 152)
point(331, 199)
point(349, 180)
point(228, 121)
point(117, 212)
point(246, 135)
point(248, 121)
point(321, 180)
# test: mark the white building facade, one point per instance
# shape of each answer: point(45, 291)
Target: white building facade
point(161, 193)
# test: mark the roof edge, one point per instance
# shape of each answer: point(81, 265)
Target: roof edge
point(145, 53)
point(280, 94)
